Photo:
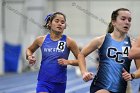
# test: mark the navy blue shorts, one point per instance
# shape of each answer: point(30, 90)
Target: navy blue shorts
point(50, 87)
point(94, 88)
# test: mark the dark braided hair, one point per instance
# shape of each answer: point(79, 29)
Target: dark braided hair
point(50, 17)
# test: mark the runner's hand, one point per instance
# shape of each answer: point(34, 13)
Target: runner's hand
point(87, 76)
point(31, 60)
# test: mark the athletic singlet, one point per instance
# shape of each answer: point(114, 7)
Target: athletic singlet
point(51, 50)
point(113, 58)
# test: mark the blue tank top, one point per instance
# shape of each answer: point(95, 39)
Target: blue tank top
point(113, 58)
point(51, 50)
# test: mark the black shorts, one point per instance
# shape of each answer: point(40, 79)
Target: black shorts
point(94, 88)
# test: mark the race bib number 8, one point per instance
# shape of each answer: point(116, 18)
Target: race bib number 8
point(61, 45)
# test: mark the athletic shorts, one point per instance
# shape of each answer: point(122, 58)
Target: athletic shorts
point(94, 88)
point(50, 87)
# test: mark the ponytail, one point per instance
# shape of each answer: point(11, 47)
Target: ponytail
point(110, 28)
point(47, 19)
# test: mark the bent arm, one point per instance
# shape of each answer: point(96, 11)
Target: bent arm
point(137, 72)
point(135, 50)
point(75, 50)
point(90, 47)
point(93, 45)
point(32, 48)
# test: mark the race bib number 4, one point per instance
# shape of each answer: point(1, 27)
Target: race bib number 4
point(125, 50)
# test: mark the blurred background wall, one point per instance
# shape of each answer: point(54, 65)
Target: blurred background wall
point(21, 22)
point(1, 43)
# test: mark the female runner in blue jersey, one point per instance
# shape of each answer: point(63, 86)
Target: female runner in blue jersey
point(114, 64)
point(55, 48)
